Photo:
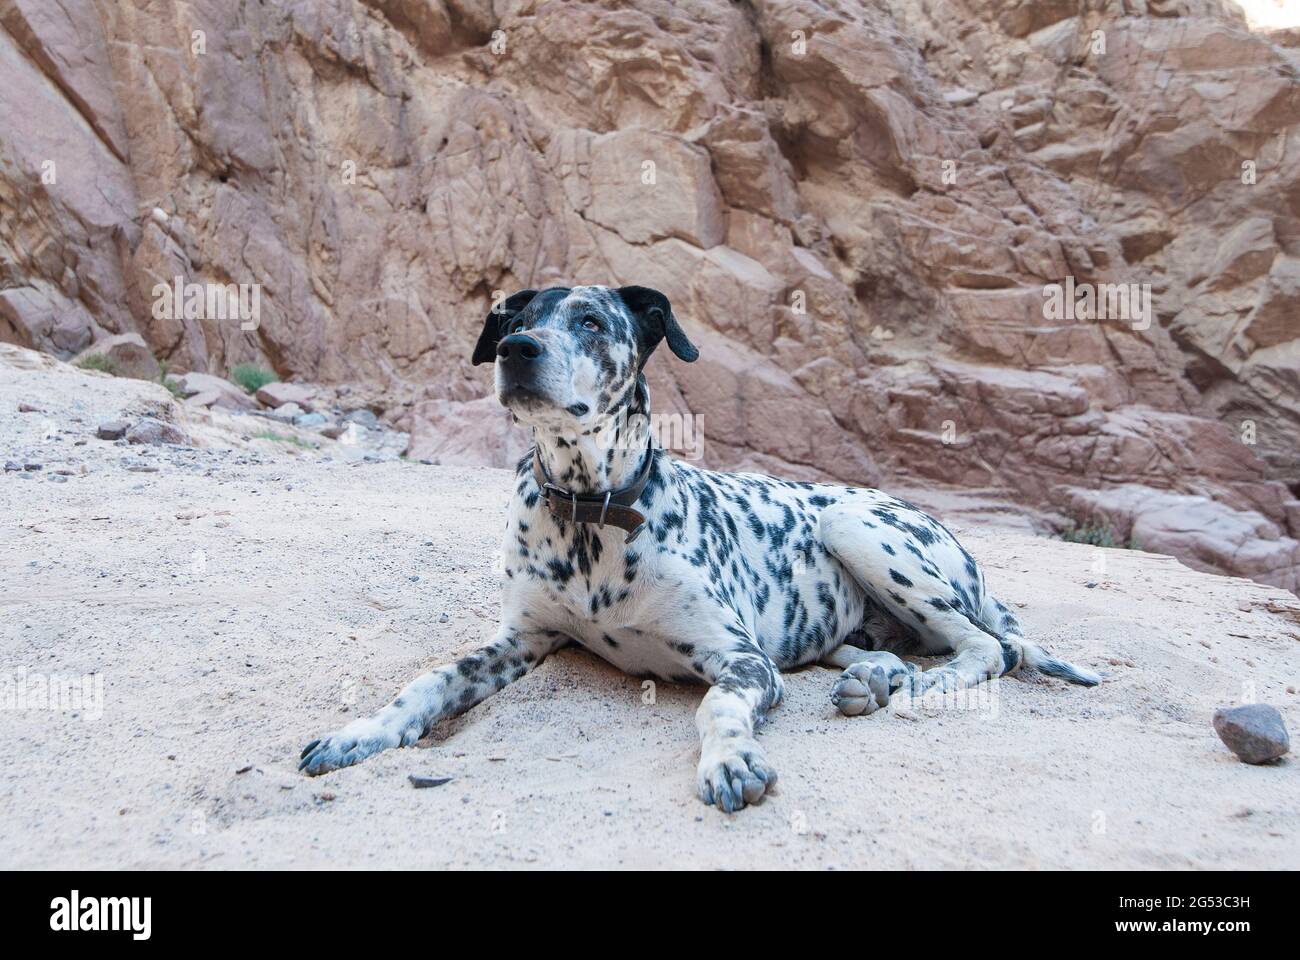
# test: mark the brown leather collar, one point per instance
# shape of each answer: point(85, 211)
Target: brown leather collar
point(613, 506)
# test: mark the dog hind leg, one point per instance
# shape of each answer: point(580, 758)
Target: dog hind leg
point(897, 574)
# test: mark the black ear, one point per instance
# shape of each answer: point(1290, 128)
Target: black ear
point(497, 319)
point(654, 317)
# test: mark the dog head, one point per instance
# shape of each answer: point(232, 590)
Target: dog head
point(567, 357)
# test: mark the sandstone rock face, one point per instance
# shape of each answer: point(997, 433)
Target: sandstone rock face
point(854, 207)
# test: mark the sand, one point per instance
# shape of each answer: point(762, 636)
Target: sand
point(248, 597)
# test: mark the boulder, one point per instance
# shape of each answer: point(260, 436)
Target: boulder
point(204, 389)
point(148, 430)
point(44, 319)
point(207, 398)
point(278, 394)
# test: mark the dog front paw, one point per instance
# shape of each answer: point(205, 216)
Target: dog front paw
point(734, 776)
point(358, 740)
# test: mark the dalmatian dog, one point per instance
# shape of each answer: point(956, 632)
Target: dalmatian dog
point(669, 571)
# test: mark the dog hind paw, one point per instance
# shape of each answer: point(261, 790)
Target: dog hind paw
point(861, 689)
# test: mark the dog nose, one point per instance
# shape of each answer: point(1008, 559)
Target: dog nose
point(519, 346)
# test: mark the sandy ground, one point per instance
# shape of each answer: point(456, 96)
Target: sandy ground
point(239, 602)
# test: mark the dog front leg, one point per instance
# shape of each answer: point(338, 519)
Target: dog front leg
point(437, 695)
point(733, 770)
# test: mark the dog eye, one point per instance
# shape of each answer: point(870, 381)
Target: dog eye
point(590, 323)
point(515, 326)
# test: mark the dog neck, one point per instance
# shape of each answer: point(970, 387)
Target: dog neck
point(608, 456)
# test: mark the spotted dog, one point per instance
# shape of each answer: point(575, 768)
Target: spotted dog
point(687, 575)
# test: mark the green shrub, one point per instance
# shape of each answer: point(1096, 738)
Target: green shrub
point(284, 438)
point(1097, 535)
point(97, 361)
point(252, 377)
point(172, 386)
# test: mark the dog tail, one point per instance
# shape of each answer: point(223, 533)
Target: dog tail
point(1042, 661)
point(1017, 650)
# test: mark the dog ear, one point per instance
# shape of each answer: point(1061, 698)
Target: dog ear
point(655, 320)
point(497, 320)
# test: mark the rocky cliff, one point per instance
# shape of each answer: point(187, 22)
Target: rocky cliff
point(855, 208)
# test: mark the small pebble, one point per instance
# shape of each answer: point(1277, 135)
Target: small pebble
point(112, 430)
point(424, 783)
point(1256, 732)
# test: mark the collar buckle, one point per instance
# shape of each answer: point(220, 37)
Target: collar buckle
point(552, 489)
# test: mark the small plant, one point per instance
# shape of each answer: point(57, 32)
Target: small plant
point(172, 386)
point(284, 438)
point(252, 377)
point(1097, 534)
point(97, 361)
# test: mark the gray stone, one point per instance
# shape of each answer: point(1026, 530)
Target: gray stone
point(311, 420)
point(149, 430)
point(112, 430)
point(424, 783)
point(1256, 732)
point(285, 413)
point(362, 417)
